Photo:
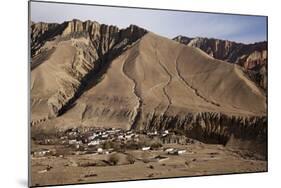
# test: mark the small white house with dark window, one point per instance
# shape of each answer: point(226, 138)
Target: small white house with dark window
point(180, 151)
point(145, 148)
point(94, 143)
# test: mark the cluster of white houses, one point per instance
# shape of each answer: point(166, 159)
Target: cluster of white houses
point(89, 138)
point(100, 135)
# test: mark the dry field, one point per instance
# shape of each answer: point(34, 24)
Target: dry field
point(200, 159)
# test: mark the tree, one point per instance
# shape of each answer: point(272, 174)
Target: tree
point(156, 145)
point(113, 159)
point(131, 159)
point(106, 145)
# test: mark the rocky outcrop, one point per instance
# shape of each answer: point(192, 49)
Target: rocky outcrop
point(253, 57)
point(40, 33)
point(103, 43)
point(183, 39)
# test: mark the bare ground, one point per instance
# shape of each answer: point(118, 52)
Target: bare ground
point(203, 159)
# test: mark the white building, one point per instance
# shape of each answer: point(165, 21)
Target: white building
point(71, 142)
point(121, 137)
point(145, 148)
point(94, 143)
point(129, 136)
point(152, 133)
point(41, 153)
point(104, 136)
point(100, 150)
point(181, 151)
point(169, 150)
point(92, 137)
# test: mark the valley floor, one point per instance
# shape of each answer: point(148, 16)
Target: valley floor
point(199, 159)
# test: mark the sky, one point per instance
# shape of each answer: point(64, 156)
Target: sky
point(239, 28)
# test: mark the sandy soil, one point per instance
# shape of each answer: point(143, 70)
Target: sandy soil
point(199, 160)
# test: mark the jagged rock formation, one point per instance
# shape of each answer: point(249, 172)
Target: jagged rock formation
point(89, 74)
point(253, 57)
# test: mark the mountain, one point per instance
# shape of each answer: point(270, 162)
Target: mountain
point(90, 74)
point(253, 57)
point(65, 56)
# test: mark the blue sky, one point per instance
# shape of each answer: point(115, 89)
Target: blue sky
point(246, 29)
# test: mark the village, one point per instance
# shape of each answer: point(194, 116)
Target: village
point(95, 154)
point(81, 141)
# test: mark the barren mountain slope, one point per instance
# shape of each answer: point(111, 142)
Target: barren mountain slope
point(64, 59)
point(252, 57)
point(159, 77)
point(143, 81)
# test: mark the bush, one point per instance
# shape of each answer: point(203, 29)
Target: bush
point(144, 143)
point(131, 159)
point(151, 167)
point(132, 145)
point(145, 157)
point(156, 145)
point(179, 132)
point(110, 144)
point(43, 133)
point(116, 146)
point(114, 159)
point(106, 145)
